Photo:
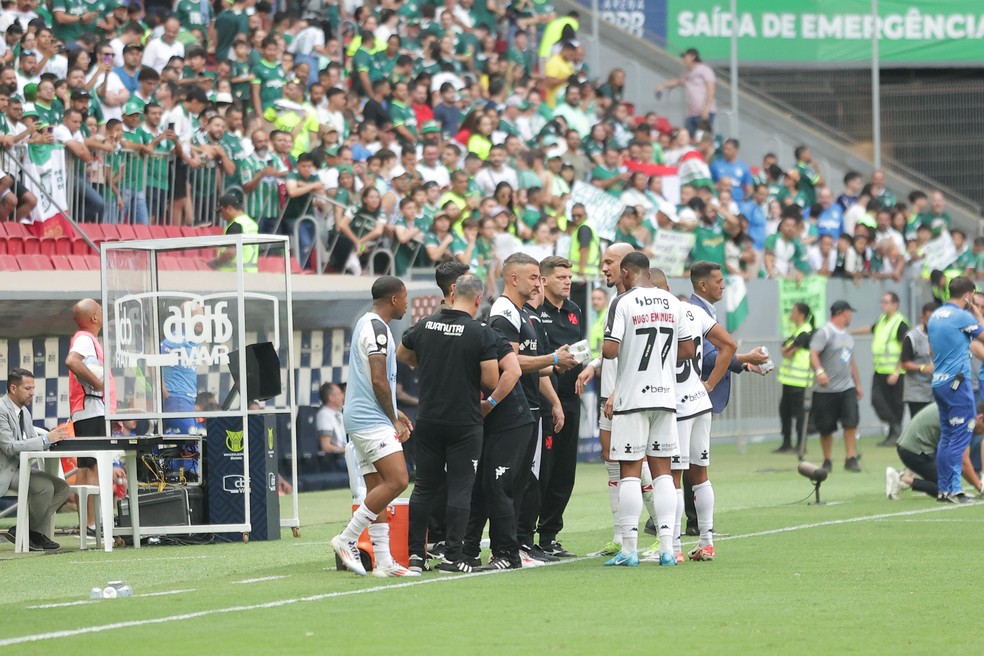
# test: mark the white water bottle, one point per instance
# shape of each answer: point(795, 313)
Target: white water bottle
point(768, 365)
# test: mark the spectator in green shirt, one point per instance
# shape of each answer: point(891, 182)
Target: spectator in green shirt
point(785, 256)
point(936, 218)
point(268, 77)
point(711, 232)
point(810, 179)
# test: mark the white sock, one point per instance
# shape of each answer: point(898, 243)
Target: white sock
point(647, 491)
point(614, 473)
point(361, 519)
point(629, 509)
point(664, 498)
point(380, 536)
point(704, 502)
point(677, 545)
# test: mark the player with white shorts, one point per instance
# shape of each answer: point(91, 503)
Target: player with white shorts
point(647, 331)
point(694, 423)
point(376, 429)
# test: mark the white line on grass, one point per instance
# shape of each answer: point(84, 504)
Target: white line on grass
point(92, 601)
point(69, 633)
point(135, 560)
point(259, 579)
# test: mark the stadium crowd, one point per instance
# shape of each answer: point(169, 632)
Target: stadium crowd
point(415, 133)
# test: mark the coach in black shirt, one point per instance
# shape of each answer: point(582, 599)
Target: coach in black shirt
point(563, 325)
point(456, 359)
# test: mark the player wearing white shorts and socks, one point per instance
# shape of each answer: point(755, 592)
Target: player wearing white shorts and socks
point(376, 428)
point(694, 423)
point(611, 268)
point(649, 333)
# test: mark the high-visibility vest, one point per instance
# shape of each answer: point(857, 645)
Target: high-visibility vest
point(795, 370)
point(885, 346)
point(597, 334)
point(593, 266)
point(251, 252)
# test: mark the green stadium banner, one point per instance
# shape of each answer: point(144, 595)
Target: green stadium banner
point(811, 290)
point(830, 32)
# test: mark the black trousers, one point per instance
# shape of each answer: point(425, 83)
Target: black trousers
point(528, 503)
point(792, 410)
point(503, 455)
point(448, 454)
point(925, 466)
point(558, 465)
point(887, 402)
point(915, 407)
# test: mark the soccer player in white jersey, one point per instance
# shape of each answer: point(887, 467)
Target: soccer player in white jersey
point(376, 429)
point(649, 333)
point(694, 423)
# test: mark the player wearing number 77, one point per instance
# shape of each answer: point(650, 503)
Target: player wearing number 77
point(694, 422)
point(649, 334)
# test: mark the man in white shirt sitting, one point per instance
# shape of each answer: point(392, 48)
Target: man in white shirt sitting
point(331, 429)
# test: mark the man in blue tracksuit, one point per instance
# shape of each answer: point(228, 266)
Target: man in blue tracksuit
point(951, 328)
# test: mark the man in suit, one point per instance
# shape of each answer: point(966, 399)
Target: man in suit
point(708, 283)
point(46, 493)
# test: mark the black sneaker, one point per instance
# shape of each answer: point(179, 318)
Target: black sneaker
point(436, 551)
point(851, 464)
point(536, 553)
point(419, 564)
point(459, 567)
point(827, 466)
point(497, 563)
point(651, 527)
point(474, 563)
point(957, 498)
point(692, 531)
point(42, 542)
point(554, 548)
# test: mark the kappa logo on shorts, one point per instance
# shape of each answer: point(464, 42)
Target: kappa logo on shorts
point(703, 454)
point(500, 472)
point(675, 460)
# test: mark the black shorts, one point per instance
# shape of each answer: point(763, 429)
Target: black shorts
point(91, 427)
point(180, 182)
point(832, 408)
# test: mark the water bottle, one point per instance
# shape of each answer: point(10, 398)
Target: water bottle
point(769, 365)
point(96, 593)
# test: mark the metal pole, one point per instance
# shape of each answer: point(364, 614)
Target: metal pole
point(875, 87)
point(734, 70)
point(595, 50)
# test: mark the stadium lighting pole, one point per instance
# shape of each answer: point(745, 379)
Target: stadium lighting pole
point(596, 50)
point(734, 70)
point(875, 87)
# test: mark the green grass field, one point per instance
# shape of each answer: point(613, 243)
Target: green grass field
point(862, 575)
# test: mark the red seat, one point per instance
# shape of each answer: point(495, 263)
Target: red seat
point(295, 266)
point(270, 265)
point(92, 262)
point(9, 263)
point(32, 246)
point(189, 231)
point(15, 245)
point(110, 232)
point(64, 245)
point(47, 246)
point(15, 229)
point(188, 263)
point(93, 230)
point(158, 232)
point(143, 232)
point(169, 263)
point(202, 264)
point(126, 232)
point(36, 262)
point(173, 232)
point(78, 262)
point(61, 263)
point(81, 247)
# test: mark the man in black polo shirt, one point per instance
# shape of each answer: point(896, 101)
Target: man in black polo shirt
point(561, 319)
point(456, 360)
point(521, 279)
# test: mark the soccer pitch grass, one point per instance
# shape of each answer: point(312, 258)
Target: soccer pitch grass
point(862, 575)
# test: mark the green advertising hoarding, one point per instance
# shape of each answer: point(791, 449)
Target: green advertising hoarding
point(832, 32)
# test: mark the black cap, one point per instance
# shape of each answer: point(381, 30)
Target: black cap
point(231, 199)
point(840, 306)
point(80, 94)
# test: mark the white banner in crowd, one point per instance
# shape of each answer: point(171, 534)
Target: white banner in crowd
point(603, 209)
point(939, 253)
point(47, 180)
point(670, 251)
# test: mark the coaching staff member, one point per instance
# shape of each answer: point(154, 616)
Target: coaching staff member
point(563, 324)
point(456, 359)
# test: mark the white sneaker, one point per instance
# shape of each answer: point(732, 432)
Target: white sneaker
point(348, 553)
point(394, 570)
point(893, 483)
point(528, 561)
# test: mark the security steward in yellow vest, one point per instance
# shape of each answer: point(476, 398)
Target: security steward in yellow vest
point(237, 223)
point(796, 376)
point(887, 385)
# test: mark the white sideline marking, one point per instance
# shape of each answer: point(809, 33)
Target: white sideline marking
point(259, 579)
point(91, 601)
point(68, 633)
point(133, 560)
